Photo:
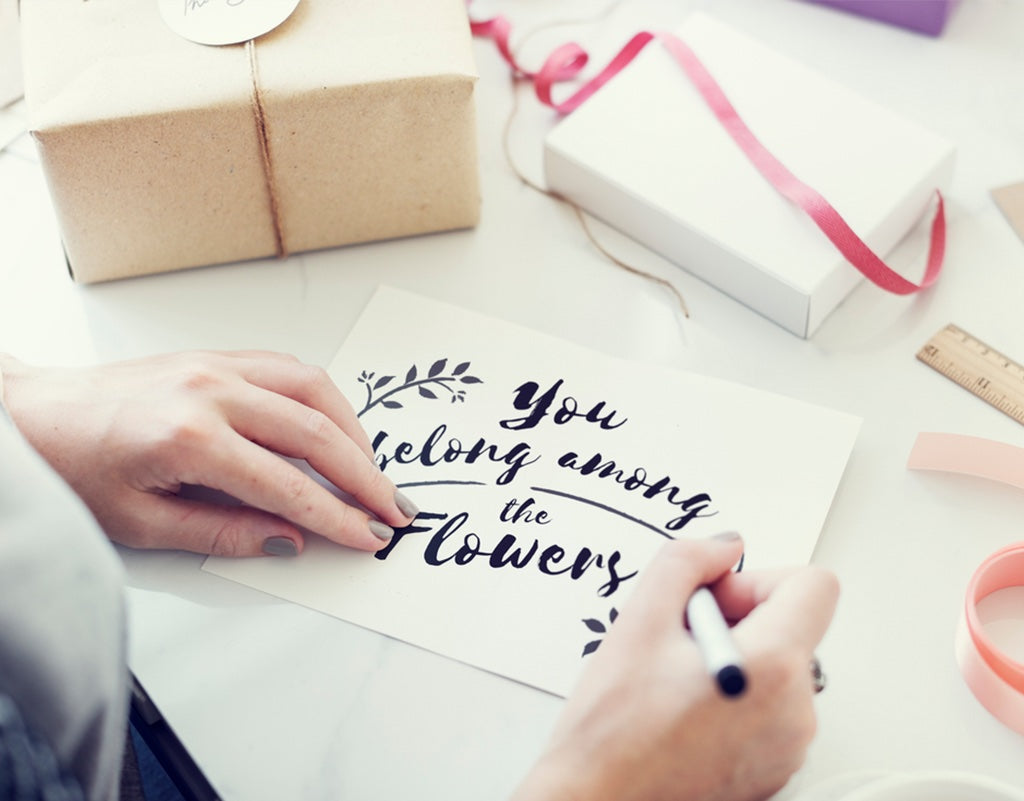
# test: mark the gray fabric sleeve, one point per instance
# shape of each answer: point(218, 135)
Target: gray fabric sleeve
point(29, 770)
point(62, 620)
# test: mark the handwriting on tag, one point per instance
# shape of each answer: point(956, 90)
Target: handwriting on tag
point(222, 22)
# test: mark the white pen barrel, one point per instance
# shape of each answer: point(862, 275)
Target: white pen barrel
point(714, 638)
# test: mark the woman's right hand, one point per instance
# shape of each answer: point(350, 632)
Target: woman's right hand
point(647, 723)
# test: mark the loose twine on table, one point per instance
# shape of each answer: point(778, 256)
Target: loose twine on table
point(515, 79)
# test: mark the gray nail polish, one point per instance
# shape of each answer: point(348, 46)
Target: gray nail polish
point(381, 531)
point(407, 507)
point(726, 536)
point(280, 546)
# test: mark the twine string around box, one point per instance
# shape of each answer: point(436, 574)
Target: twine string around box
point(566, 63)
point(259, 114)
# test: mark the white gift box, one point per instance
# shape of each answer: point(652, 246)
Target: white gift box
point(647, 155)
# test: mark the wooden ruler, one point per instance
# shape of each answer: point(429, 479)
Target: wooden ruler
point(979, 369)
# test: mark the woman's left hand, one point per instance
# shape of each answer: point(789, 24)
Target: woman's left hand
point(129, 436)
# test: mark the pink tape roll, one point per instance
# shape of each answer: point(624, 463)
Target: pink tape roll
point(996, 680)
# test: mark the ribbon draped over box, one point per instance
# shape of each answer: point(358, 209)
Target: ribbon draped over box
point(566, 63)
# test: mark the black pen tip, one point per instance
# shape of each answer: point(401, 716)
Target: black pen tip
point(731, 680)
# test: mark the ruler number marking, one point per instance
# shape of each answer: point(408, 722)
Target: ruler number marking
point(977, 367)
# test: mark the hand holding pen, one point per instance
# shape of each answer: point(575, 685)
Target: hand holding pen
point(646, 722)
point(722, 658)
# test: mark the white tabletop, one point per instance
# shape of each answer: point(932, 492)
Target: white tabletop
point(278, 702)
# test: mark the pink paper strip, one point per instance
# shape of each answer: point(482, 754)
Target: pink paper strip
point(974, 456)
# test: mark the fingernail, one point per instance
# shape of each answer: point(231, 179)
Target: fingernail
point(407, 507)
point(726, 536)
point(381, 531)
point(280, 546)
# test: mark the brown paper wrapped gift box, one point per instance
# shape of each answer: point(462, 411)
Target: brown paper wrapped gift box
point(152, 149)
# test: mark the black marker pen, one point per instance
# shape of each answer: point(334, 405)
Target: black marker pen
point(714, 639)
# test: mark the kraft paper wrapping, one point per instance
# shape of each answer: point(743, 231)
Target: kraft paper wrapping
point(151, 149)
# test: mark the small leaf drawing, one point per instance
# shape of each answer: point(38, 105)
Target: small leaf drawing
point(598, 627)
point(427, 388)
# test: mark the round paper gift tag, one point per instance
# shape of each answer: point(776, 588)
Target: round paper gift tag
point(222, 22)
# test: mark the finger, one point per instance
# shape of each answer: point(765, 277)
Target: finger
point(677, 570)
point(302, 432)
point(264, 480)
point(312, 387)
point(256, 353)
point(189, 525)
point(739, 593)
point(797, 610)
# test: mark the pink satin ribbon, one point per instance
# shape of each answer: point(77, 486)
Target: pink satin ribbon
point(567, 61)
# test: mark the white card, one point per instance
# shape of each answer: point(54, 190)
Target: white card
point(547, 476)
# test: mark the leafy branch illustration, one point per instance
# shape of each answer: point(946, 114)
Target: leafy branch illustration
point(598, 627)
point(379, 390)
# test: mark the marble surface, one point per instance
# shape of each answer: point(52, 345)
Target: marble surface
point(275, 701)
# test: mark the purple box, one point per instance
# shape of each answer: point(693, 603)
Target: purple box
point(925, 16)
